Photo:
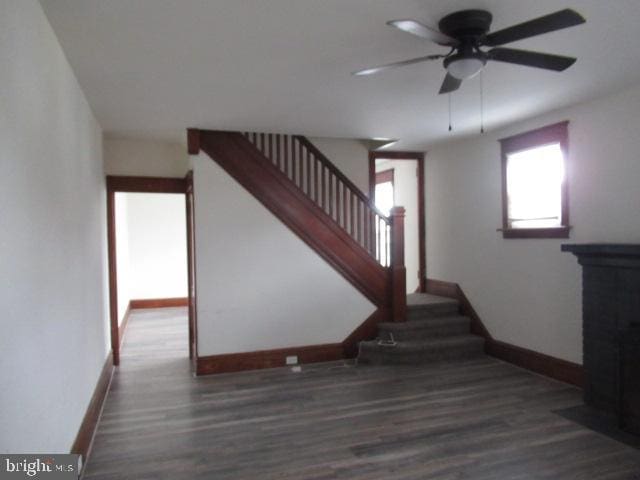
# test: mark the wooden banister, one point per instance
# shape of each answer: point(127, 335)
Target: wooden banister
point(398, 269)
point(310, 195)
point(335, 171)
point(239, 156)
point(325, 185)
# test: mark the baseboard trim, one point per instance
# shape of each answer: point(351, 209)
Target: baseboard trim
point(541, 363)
point(367, 330)
point(237, 362)
point(123, 325)
point(159, 302)
point(84, 439)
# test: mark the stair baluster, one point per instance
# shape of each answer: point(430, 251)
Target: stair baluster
point(329, 189)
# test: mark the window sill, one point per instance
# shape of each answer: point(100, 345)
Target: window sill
point(552, 232)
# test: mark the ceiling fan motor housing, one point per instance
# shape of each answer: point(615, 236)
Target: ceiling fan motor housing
point(468, 27)
point(466, 24)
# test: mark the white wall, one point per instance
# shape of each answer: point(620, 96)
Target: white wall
point(351, 156)
point(157, 245)
point(122, 254)
point(54, 339)
point(526, 291)
point(149, 158)
point(406, 195)
point(259, 286)
point(405, 192)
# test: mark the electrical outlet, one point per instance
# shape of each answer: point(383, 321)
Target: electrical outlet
point(292, 360)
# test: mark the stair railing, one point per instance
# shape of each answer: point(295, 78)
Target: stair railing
point(324, 184)
point(330, 189)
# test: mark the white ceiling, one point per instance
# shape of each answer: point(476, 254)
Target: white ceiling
point(152, 68)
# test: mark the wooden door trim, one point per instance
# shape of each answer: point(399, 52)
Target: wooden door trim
point(191, 270)
point(384, 177)
point(128, 184)
point(419, 157)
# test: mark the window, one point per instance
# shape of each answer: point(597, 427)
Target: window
point(534, 186)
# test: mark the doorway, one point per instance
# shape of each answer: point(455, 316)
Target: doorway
point(397, 179)
point(150, 228)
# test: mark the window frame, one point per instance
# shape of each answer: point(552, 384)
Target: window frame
point(550, 134)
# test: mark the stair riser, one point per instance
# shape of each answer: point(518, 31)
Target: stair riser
point(387, 357)
point(424, 333)
point(435, 332)
point(431, 311)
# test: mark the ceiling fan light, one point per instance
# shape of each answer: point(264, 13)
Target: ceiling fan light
point(464, 68)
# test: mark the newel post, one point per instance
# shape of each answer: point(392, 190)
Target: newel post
point(398, 270)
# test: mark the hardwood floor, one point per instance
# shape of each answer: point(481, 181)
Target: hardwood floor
point(481, 419)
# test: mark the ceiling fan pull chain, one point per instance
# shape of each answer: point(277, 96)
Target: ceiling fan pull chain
point(450, 128)
point(481, 103)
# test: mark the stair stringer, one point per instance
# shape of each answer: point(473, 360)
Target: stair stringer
point(265, 182)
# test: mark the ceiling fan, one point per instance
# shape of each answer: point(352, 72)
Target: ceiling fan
point(467, 30)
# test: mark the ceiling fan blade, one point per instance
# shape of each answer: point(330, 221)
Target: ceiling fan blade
point(531, 59)
point(549, 23)
point(380, 68)
point(416, 28)
point(450, 84)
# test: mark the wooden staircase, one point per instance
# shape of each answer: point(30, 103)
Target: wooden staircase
point(435, 331)
point(310, 195)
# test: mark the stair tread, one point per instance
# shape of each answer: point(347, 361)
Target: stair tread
point(433, 322)
point(426, 344)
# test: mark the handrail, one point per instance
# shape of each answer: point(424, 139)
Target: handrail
point(325, 185)
point(303, 188)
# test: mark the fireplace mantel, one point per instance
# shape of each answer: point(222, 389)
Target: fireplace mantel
point(613, 254)
point(611, 328)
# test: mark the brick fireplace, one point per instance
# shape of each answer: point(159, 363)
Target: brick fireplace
point(611, 329)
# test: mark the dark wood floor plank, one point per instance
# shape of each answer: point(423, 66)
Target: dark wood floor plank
point(481, 419)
